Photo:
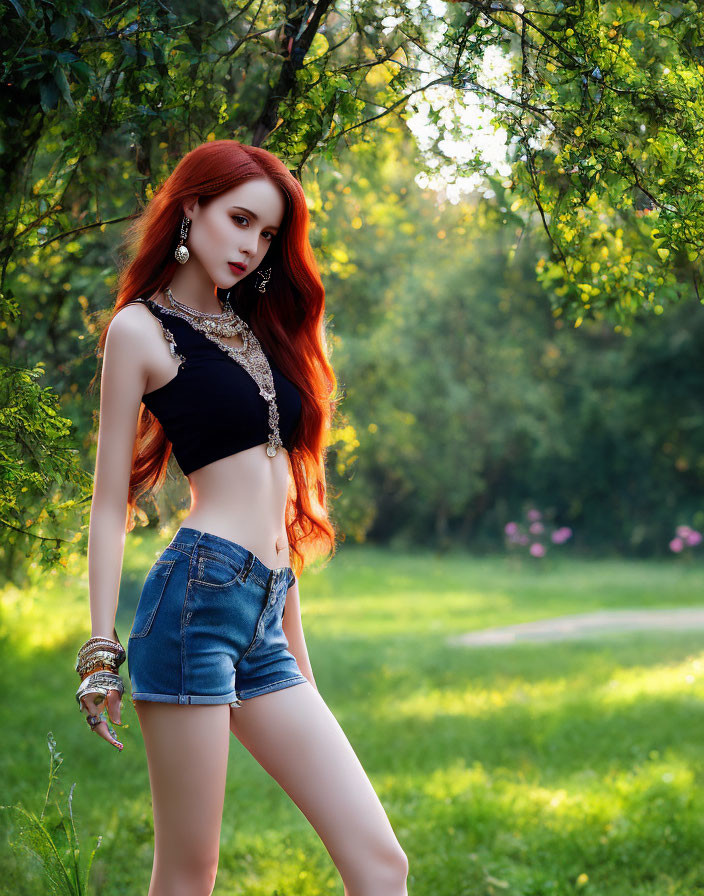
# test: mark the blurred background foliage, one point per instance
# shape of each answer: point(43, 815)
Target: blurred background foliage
point(537, 341)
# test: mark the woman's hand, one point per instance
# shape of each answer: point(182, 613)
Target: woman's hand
point(95, 704)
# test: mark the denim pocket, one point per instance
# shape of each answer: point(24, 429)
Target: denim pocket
point(218, 570)
point(150, 598)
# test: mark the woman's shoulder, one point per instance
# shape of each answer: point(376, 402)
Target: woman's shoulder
point(146, 302)
point(128, 314)
point(140, 309)
point(137, 318)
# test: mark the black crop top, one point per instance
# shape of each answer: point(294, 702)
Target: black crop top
point(212, 407)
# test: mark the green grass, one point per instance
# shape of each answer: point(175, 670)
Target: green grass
point(562, 768)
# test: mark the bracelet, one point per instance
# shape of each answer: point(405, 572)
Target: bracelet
point(97, 667)
point(99, 644)
point(100, 683)
point(101, 647)
point(99, 656)
point(112, 660)
point(111, 642)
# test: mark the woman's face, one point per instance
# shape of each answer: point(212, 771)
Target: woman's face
point(236, 227)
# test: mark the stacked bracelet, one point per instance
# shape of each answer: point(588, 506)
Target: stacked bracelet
point(97, 663)
point(100, 650)
point(96, 659)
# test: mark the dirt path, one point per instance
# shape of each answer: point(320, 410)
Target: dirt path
point(584, 625)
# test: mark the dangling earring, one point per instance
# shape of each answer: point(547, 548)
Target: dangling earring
point(266, 276)
point(181, 254)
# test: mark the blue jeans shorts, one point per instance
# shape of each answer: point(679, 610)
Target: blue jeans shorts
point(208, 625)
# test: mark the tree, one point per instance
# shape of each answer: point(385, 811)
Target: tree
point(100, 99)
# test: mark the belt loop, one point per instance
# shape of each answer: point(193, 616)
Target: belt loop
point(248, 564)
point(271, 579)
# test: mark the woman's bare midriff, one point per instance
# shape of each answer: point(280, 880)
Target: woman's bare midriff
point(241, 497)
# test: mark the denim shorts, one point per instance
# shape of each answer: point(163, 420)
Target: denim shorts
point(208, 625)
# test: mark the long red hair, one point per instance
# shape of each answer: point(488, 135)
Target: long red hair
point(289, 321)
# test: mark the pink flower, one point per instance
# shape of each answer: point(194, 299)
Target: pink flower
point(511, 528)
point(523, 539)
point(536, 528)
point(693, 537)
point(683, 531)
point(561, 534)
point(676, 545)
point(534, 514)
point(537, 549)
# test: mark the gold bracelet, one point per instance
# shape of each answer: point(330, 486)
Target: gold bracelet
point(107, 656)
point(98, 664)
point(97, 669)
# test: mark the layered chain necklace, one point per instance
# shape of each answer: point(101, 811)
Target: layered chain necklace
point(250, 355)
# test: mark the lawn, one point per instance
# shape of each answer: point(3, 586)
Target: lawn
point(553, 768)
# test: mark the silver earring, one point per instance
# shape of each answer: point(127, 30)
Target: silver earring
point(266, 276)
point(181, 254)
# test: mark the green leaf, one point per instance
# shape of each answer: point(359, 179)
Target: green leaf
point(62, 83)
point(58, 29)
point(48, 94)
point(20, 12)
point(82, 72)
point(35, 838)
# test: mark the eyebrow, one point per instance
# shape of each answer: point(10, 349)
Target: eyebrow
point(252, 215)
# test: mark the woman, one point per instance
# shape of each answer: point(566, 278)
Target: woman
point(239, 388)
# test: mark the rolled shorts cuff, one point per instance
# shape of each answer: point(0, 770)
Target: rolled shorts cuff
point(186, 698)
point(274, 686)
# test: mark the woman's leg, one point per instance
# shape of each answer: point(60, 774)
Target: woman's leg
point(295, 737)
point(187, 748)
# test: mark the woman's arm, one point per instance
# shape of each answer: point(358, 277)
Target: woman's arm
point(123, 381)
point(293, 629)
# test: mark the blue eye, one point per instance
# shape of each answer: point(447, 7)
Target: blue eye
point(243, 218)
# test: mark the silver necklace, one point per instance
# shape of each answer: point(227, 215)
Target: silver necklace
point(250, 355)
